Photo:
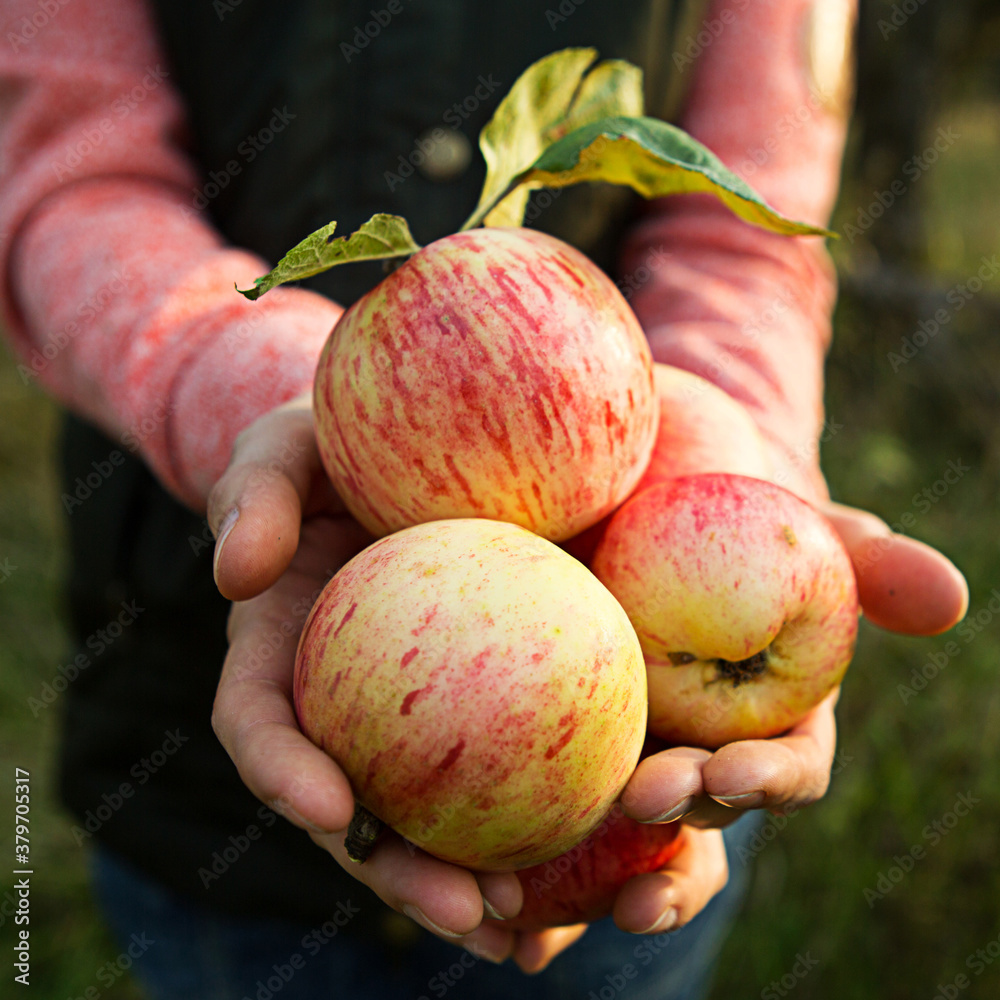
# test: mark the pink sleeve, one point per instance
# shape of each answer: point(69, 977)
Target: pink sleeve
point(116, 293)
point(747, 309)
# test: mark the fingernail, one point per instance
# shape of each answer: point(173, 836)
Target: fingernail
point(418, 916)
point(475, 948)
point(666, 920)
point(294, 816)
point(490, 910)
point(748, 800)
point(682, 807)
point(226, 525)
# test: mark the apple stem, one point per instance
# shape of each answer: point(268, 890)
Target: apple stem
point(362, 833)
point(739, 671)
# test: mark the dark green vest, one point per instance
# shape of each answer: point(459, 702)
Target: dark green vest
point(300, 112)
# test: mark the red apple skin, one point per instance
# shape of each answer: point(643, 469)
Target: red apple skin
point(713, 570)
point(581, 885)
point(498, 373)
point(482, 691)
point(701, 429)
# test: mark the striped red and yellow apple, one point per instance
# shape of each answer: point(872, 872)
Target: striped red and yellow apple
point(482, 691)
point(743, 598)
point(498, 373)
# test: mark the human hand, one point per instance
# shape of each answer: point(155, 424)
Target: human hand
point(291, 534)
point(904, 586)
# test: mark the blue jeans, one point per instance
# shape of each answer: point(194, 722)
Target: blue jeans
point(183, 952)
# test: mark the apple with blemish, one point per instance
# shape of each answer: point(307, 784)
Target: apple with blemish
point(498, 373)
point(744, 601)
point(484, 694)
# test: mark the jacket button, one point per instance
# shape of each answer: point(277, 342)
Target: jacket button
point(447, 154)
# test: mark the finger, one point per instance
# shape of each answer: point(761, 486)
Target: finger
point(503, 896)
point(903, 585)
point(254, 720)
point(789, 770)
point(665, 786)
point(256, 507)
point(664, 900)
point(443, 898)
point(534, 950)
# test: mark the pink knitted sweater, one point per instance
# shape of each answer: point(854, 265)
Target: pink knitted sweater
point(120, 300)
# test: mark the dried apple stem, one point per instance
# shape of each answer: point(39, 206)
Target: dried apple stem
point(362, 833)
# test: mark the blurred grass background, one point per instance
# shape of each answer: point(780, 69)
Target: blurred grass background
point(902, 765)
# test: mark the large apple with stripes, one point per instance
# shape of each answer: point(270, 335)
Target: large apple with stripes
point(482, 691)
point(498, 373)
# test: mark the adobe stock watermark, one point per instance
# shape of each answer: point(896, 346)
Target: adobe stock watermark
point(7, 570)
point(111, 971)
point(97, 642)
point(708, 31)
point(932, 835)
point(237, 845)
point(365, 34)
point(972, 626)
point(913, 169)
point(630, 283)
point(977, 963)
point(142, 771)
point(922, 502)
point(453, 118)
point(644, 953)
point(804, 964)
point(94, 135)
point(445, 979)
point(42, 356)
point(312, 944)
point(249, 148)
point(45, 12)
point(957, 297)
point(777, 821)
point(901, 13)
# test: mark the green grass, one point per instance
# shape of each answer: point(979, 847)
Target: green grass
point(903, 765)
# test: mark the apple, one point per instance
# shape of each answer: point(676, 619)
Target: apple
point(701, 429)
point(484, 694)
point(498, 373)
point(582, 884)
point(744, 601)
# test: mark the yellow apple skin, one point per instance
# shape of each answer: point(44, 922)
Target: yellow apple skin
point(744, 601)
point(482, 691)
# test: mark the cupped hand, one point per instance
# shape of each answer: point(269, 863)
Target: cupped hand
point(281, 533)
point(904, 586)
point(273, 558)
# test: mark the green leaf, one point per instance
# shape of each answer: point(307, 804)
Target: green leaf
point(654, 159)
point(548, 99)
point(380, 237)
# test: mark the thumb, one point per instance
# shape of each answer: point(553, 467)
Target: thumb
point(255, 509)
point(903, 585)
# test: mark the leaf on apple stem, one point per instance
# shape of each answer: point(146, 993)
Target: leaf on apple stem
point(382, 236)
point(654, 159)
point(549, 99)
